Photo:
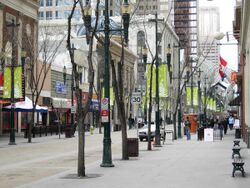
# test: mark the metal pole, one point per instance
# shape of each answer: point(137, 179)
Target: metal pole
point(107, 156)
point(179, 96)
point(12, 100)
point(157, 113)
point(192, 91)
point(205, 102)
point(72, 104)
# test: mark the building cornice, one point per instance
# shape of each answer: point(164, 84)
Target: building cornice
point(26, 7)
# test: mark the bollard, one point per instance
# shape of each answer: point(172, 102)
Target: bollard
point(91, 129)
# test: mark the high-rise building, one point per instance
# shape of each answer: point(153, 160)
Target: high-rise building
point(161, 7)
point(60, 9)
point(209, 24)
point(186, 25)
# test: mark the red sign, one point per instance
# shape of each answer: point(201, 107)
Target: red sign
point(105, 112)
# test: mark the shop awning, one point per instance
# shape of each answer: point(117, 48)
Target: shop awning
point(25, 106)
point(235, 101)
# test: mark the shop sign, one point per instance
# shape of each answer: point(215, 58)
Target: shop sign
point(60, 88)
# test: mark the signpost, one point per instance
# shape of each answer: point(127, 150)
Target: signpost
point(105, 111)
point(136, 98)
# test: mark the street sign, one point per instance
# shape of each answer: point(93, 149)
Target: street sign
point(105, 109)
point(73, 109)
point(105, 104)
point(136, 98)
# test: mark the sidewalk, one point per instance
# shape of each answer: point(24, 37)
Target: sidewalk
point(182, 163)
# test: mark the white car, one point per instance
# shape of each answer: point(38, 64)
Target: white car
point(143, 132)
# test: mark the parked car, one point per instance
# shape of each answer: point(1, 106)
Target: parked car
point(143, 132)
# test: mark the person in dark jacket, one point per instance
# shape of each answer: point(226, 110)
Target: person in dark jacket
point(225, 125)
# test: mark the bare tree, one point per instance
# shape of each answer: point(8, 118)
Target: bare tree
point(82, 110)
point(41, 52)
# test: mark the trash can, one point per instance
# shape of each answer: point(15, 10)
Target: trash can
point(133, 147)
point(68, 133)
point(237, 133)
point(200, 133)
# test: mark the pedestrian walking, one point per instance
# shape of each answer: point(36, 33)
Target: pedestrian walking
point(187, 128)
point(221, 128)
point(224, 122)
point(231, 122)
point(130, 121)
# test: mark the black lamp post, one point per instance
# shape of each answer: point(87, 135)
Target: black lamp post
point(64, 74)
point(125, 17)
point(168, 51)
point(87, 20)
point(145, 57)
point(145, 54)
point(199, 95)
point(12, 141)
point(107, 156)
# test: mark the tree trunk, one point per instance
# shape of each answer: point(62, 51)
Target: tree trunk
point(174, 122)
point(81, 146)
point(124, 133)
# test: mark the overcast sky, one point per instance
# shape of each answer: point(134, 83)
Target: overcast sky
point(228, 52)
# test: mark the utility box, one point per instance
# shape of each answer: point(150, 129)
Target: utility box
point(133, 147)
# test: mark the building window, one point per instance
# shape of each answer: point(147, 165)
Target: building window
point(68, 2)
point(59, 14)
point(48, 15)
point(59, 2)
point(41, 15)
point(48, 3)
point(41, 3)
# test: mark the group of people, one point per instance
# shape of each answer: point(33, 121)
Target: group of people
point(222, 123)
point(219, 123)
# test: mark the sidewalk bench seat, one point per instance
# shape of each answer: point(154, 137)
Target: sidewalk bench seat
point(238, 166)
point(236, 151)
point(237, 142)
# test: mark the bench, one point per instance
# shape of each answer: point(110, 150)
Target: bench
point(238, 166)
point(237, 142)
point(236, 151)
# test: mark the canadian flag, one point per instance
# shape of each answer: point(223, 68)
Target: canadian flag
point(222, 68)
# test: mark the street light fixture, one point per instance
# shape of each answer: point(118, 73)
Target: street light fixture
point(13, 25)
point(126, 9)
point(145, 57)
point(107, 157)
point(87, 20)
